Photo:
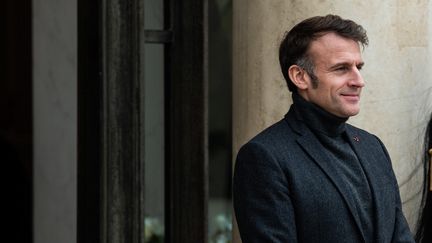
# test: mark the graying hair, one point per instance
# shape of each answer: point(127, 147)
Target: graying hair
point(306, 63)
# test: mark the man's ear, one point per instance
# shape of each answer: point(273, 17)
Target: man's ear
point(299, 77)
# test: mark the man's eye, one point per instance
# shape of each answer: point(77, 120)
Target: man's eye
point(341, 68)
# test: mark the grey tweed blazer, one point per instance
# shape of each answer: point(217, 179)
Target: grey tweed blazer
point(285, 189)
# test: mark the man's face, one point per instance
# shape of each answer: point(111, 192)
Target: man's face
point(337, 62)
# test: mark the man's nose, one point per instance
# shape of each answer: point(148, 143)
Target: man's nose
point(357, 79)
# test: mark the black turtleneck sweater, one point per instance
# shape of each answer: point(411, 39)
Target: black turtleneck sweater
point(330, 131)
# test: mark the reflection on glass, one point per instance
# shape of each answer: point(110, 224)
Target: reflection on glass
point(220, 102)
point(154, 154)
point(154, 142)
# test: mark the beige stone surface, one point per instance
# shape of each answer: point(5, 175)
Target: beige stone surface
point(397, 98)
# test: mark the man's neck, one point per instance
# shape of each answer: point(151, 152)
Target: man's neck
point(317, 118)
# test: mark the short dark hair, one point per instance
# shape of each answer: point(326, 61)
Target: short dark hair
point(293, 48)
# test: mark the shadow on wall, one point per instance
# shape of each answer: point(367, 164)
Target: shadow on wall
point(16, 194)
point(16, 120)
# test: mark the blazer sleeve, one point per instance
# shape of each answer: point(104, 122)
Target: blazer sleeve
point(401, 233)
point(261, 198)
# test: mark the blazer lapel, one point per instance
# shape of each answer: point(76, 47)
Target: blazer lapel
point(316, 150)
point(372, 166)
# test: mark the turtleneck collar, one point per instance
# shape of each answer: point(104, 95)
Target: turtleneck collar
point(317, 118)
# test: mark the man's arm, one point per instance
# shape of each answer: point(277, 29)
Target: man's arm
point(262, 203)
point(401, 233)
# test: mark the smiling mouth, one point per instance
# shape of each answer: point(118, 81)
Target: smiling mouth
point(357, 95)
point(351, 97)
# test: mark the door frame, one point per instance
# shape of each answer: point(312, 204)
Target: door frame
point(110, 129)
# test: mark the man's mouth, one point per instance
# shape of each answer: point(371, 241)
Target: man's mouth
point(351, 97)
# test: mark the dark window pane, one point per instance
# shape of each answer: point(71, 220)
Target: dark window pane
point(220, 102)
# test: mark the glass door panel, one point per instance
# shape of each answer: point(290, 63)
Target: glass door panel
point(154, 120)
point(219, 120)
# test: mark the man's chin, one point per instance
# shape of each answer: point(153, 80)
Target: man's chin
point(350, 112)
point(353, 113)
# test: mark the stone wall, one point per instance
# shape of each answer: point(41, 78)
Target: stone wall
point(54, 121)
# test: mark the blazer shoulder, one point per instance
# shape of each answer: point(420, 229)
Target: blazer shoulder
point(274, 134)
point(373, 142)
point(361, 133)
point(358, 130)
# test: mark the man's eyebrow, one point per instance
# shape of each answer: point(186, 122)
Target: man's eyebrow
point(342, 64)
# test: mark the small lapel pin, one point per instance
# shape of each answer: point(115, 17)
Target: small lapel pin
point(356, 138)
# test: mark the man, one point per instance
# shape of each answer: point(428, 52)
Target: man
point(311, 177)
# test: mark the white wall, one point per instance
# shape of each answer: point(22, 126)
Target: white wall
point(55, 120)
point(396, 101)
